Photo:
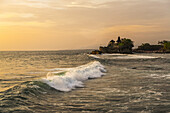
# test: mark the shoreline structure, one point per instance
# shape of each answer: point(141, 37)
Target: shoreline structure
point(125, 45)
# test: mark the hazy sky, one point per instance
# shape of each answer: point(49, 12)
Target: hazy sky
point(79, 24)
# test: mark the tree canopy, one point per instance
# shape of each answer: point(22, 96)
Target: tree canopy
point(126, 45)
point(166, 45)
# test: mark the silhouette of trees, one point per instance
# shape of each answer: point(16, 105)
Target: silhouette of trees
point(163, 46)
point(148, 47)
point(166, 45)
point(126, 45)
point(145, 46)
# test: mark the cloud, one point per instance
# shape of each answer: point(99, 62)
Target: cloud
point(24, 24)
point(59, 4)
point(19, 15)
point(91, 22)
point(132, 28)
point(99, 13)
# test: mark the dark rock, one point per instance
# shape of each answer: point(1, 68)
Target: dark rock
point(121, 46)
point(96, 52)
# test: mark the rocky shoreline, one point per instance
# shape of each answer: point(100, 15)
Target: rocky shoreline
point(142, 51)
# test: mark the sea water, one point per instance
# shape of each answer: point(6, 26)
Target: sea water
point(74, 81)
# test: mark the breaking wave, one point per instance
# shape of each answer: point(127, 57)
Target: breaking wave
point(67, 79)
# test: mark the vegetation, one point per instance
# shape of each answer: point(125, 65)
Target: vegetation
point(166, 45)
point(125, 45)
point(163, 47)
point(120, 46)
point(148, 47)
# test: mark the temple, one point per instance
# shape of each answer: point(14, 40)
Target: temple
point(120, 46)
point(125, 45)
point(112, 47)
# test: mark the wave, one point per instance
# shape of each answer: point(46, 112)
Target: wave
point(35, 92)
point(94, 56)
point(160, 76)
point(70, 78)
point(122, 56)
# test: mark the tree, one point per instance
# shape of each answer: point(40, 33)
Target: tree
point(145, 46)
point(163, 42)
point(111, 44)
point(148, 47)
point(166, 45)
point(125, 46)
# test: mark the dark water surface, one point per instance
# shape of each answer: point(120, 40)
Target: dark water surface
point(138, 83)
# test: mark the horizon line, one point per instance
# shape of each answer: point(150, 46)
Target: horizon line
point(44, 50)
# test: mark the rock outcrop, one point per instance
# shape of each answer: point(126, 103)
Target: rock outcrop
point(125, 45)
point(163, 47)
point(120, 46)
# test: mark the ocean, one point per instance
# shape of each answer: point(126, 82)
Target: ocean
point(74, 82)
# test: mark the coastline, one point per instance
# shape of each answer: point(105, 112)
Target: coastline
point(125, 46)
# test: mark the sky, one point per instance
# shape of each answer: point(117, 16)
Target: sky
point(81, 24)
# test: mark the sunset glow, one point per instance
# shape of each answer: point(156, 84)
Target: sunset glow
point(80, 24)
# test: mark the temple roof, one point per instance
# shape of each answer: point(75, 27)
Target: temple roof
point(118, 40)
point(112, 41)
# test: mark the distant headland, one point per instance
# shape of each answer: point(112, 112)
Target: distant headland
point(125, 45)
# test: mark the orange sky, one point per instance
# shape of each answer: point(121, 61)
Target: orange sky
point(80, 24)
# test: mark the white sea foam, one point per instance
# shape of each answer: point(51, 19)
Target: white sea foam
point(160, 76)
point(134, 57)
point(94, 56)
point(115, 54)
point(122, 56)
point(59, 69)
point(74, 77)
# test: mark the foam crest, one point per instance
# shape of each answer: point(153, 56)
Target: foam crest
point(135, 57)
point(160, 76)
point(71, 78)
point(94, 56)
point(122, 56)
